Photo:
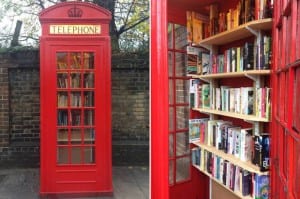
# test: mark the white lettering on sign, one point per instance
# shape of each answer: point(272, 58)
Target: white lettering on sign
point(75, 29)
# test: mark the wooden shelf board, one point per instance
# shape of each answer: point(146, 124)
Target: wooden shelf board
point(236, 161)
point(220, 183)
point(232, 74)
point(234, 115)
point(238, 33)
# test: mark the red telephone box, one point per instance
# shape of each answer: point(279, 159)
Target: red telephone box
point(75, 95)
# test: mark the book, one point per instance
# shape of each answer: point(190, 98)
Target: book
point(261, 151)
point(262, 186)
point(205, 62)
point(198, 129)
point(248, 56)
point(246, 182)
point(206, 95)
point(246, 144)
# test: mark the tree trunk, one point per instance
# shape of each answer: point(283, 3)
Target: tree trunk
point(110, 5)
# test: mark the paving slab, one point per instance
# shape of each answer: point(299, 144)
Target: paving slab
point(128, 183)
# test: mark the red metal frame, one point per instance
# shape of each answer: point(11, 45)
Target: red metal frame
point(285, 136)
point(78, 176)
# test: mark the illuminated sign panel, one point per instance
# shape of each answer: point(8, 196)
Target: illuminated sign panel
point(75, 29)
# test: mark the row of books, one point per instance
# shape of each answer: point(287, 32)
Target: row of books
point(201, 26)
point(75, 61)
point(237, 179)
point(75, 99)
point(75, 117)
point(244, 100)
point(235, 59)
point(63, 80)
point(231, 139)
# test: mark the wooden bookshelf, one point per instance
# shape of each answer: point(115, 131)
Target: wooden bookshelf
point(233, 74)
point(236, 161)
point(233, 115)
point(241, 32)
point(220, 183)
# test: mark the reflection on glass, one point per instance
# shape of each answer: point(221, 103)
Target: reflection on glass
point(76, 117)
point(171, 172)
point(180, 37)
point(182, 169)
point(89, 136)
point(89, 80)
point(182, 91)
point(171, 91)
point(75, 136)
point(75, 80)
point(171, 146)
point(62, 80)
point(62, 117)
point(170, 63)
point(170, 35)
point(75, 155)
point(76, 99)
point(182, 144)
point(62, 60)
point(89, 99)
point(75, 60)
point(89, 117)
point(171, 119)
point(180, 60)
point(182, 115)
point(89, 155)
point(62, 155)
point(62, 99)
point(88, 60)
point(62, 136)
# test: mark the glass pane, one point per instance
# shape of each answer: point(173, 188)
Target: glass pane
point(62, 117)
point(62, 99)
point(296, 167)
point(89, 155)
point(89, 80)
point(75, 60)
point(171, 63)
point(182, 144)
point(296, 104)
point(75, 136)
point(171, 172)
point(182, 169)
point(62, 60)
point(62, 80)
point(182, 115)
point(88, 60)
point(89, 99)
point(171, 91)
point(76, 155)
point(89, 117)
point(171, 145)
point(180, 62)
point(76, 99)
point(75, 80)
point(89, 136)
point(62, 136)
point(170, 35)
point(182, 91)
point(62, 155)
point(171, 119)
point(76, 117)
point(180, 37)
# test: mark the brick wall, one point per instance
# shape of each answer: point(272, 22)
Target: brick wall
point(130, 108)
point(19, 109)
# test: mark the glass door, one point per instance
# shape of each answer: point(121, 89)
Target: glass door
point(75, 108)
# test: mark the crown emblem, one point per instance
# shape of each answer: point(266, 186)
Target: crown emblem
point(75, 12)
